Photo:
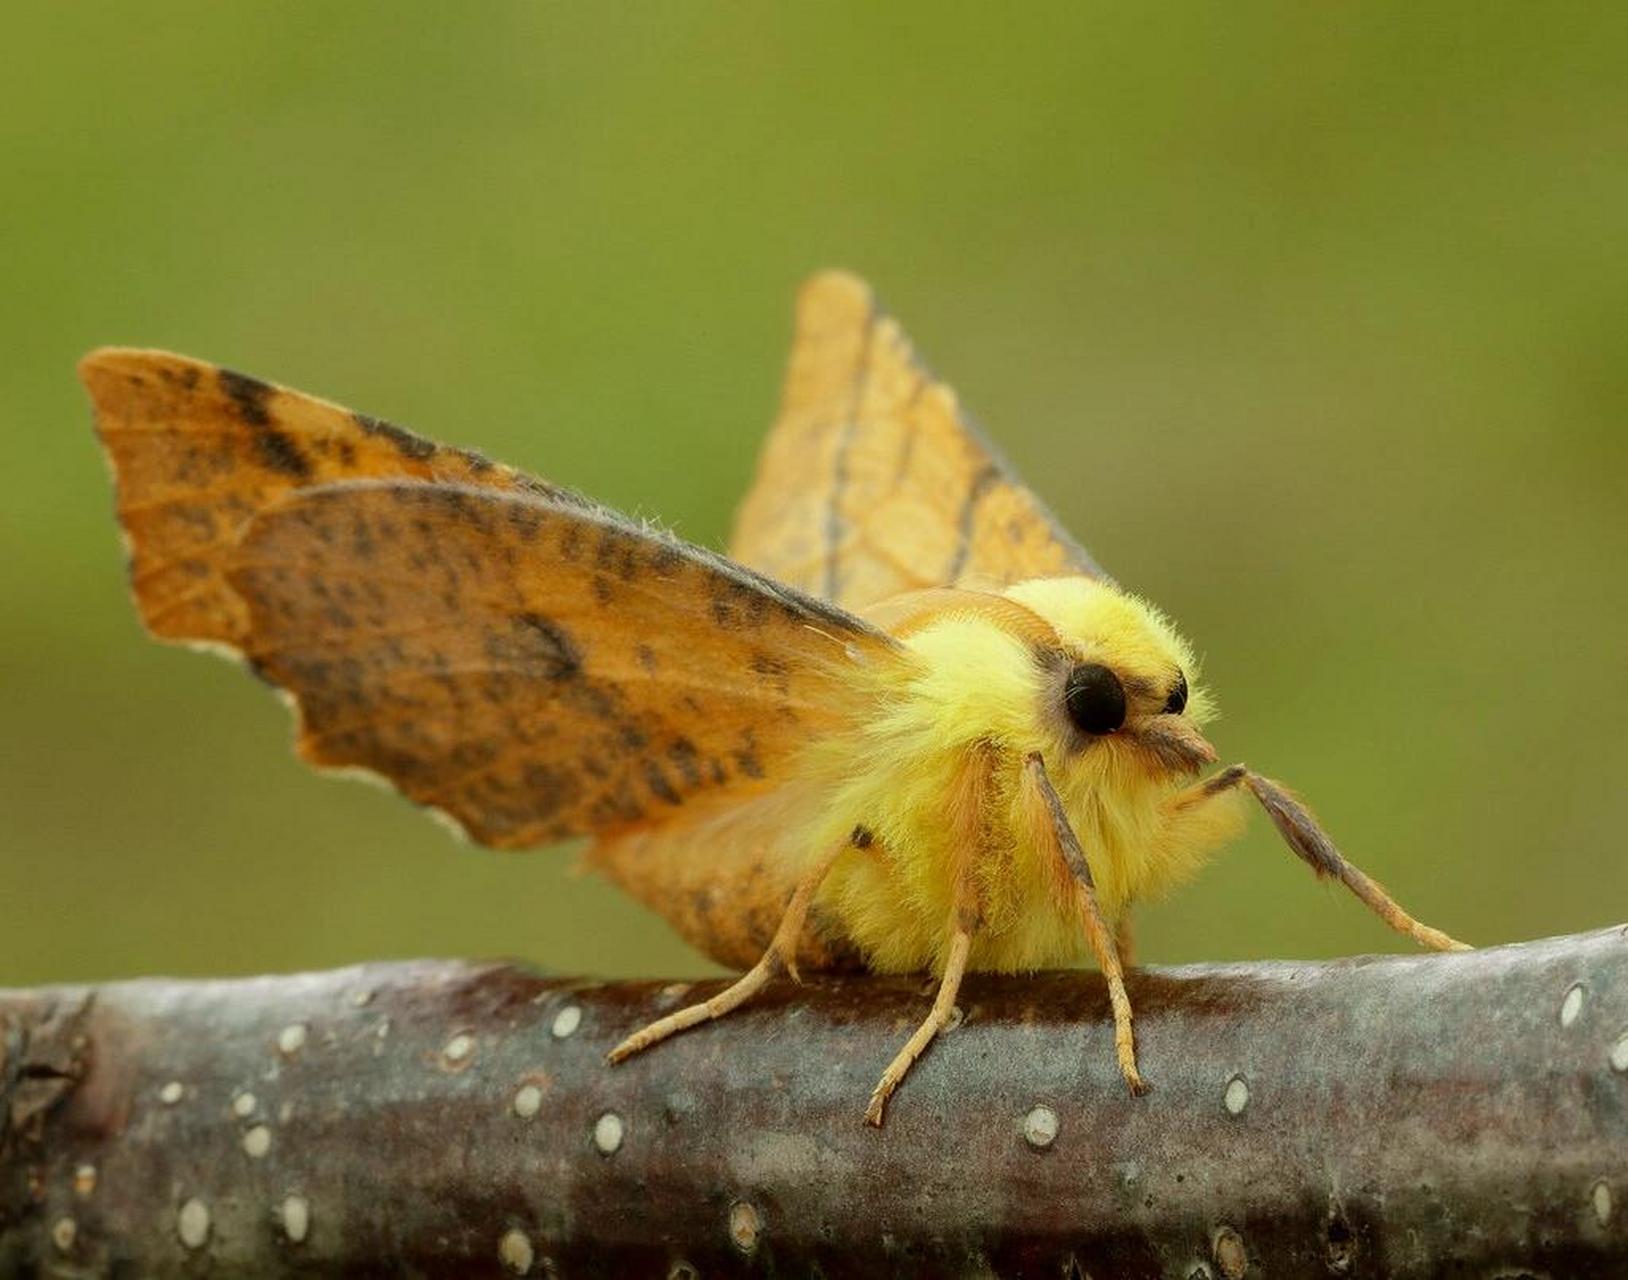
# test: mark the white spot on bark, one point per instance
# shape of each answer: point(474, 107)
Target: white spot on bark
point(608, 1132)
point(243, 1105)
point(515, 1251)
point(1040, 1127)
point(291, 1039)
point(361, 999)
point(1619, 1053)
point(257, 1141)
point(1601, 1196)
point(295, 1212)
point(744, 1226)
point(192, 1223)
point(566, 1021)
point(84, 1180)
point(459, 1047)
point(171, 1093)
point(528, 1100)
point(1236, 1096)
point(63, 1233)
point(1571, 1004)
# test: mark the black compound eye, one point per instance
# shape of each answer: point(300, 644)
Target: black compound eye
point(1095, 698)
point(1176, 703)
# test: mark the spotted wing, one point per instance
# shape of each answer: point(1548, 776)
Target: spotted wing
point(873, 482)
point(198, 450)
point(534, 668)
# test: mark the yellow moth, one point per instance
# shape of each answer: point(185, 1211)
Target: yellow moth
point(909, 724)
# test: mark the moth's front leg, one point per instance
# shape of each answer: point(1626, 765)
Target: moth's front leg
point(1049, 824)
point(1302, 833)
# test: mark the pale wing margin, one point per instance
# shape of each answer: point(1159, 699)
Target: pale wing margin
point(874, 481)
point(535, 669)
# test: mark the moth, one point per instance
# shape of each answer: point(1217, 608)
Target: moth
point(907, 724)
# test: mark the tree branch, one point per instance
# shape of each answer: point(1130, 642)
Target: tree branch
point(1400, 1116)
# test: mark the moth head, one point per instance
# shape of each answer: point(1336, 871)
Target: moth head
point(1120, 684)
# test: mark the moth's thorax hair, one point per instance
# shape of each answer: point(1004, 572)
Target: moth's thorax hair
point(977, 679)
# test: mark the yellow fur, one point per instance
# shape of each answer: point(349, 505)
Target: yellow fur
point(970, 681)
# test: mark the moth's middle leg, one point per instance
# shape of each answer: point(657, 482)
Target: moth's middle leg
point(781, 954)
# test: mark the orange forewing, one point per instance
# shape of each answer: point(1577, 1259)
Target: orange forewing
point(197, 451)
point(873, 481)
point(536, 668)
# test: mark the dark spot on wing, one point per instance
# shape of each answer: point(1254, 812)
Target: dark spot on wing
point(248, 396)
point(571, 542)
point(617, 551)
point(659, 785)
point(361, 537)
point(550, 788)
point(666, 558)
point(526, 520)
point(277, 451)
point(185, 377)
point(405, 442)
point(535, 646)
point(618, 805)
point(746, 756)
point(861, 837)
point(686, 760)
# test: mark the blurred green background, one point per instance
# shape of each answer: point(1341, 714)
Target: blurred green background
point(1310, 323)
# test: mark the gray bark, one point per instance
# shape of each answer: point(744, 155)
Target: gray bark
point(1397, 1116)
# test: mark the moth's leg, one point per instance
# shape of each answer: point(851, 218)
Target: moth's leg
point(1125, 938)
point(1051, 825)
point(955, 967)
point(968, 814)
point(1302, 834)
point(782, 954)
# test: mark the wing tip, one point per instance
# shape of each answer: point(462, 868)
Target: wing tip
point(835, 287)
point(112, 373)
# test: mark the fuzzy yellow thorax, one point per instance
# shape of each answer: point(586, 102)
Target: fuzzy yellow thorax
point(971, 684)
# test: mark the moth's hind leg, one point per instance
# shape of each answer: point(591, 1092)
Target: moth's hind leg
point(968, 814)
point(781, 954)
point(955, 967)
